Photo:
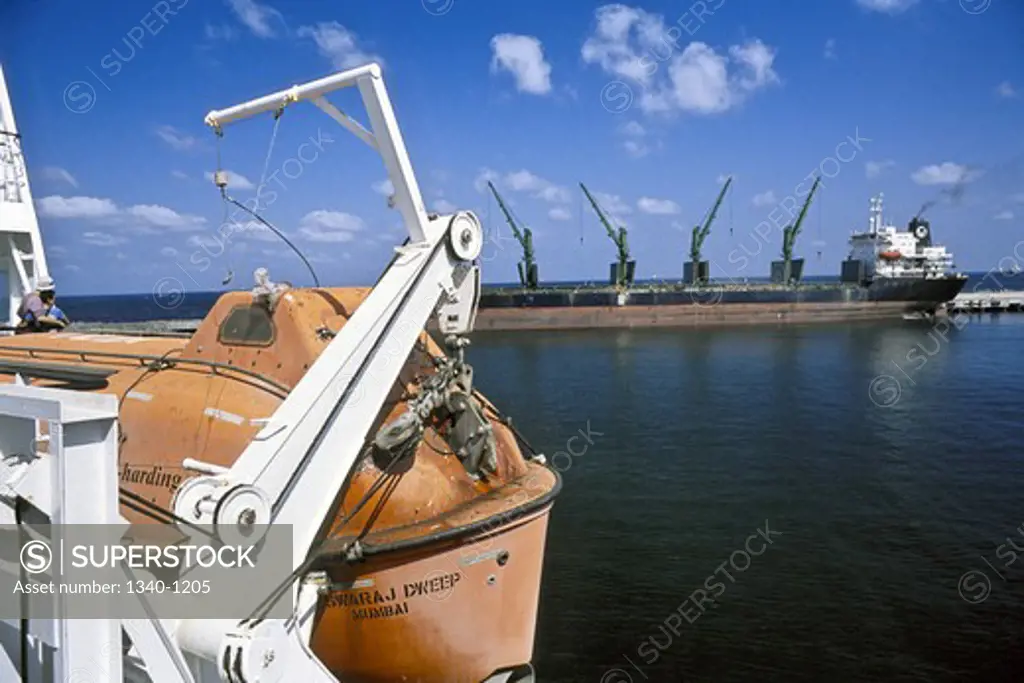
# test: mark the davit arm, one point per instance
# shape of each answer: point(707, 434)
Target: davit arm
point(295, 467)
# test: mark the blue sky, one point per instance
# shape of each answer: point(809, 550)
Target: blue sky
point(649, 104)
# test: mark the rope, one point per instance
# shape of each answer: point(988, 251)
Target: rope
point(224, 221)
point(820, 210)
point(730, 214)
point(385, 477)
point(579, 210)
point(259, 189)
point(316, 280)
point(270, 151)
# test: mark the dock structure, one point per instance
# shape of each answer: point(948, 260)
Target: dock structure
point(988, 302)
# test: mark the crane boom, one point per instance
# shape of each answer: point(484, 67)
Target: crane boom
point(700, 233)
point(600, 214)
point(790, 234)
point(622, 270)
point(508, 214)
point(619, 238)
point(803, 211)
point(527, 268)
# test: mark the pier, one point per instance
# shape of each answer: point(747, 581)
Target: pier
point(988, 302)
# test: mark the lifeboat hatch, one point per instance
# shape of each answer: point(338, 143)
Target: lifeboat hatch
point(248, 325)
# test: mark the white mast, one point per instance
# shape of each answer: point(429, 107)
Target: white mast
point(22, 260)
point(875, 221)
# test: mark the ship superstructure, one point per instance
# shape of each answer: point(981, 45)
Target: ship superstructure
point(885, 251)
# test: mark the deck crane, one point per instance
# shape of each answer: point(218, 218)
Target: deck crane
point(789, 270)
point(622, 271)
point(292, 471)
point(528, 266)
point(696, 271)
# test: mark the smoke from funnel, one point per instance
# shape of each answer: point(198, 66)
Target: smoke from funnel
point(954, 193)
point(1005, 171)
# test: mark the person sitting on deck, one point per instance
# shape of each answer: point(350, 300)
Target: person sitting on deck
point(58, 314)
point(37, 310)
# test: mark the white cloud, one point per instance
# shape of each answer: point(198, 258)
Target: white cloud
point(612, 203)
point(56, 206)
point(162, 217)
point(657, 207)
point(483, 177)
point(887, 6)
point(559, 214)
point(338, 44)
point(443, 206)
point(554, 193)
point(629, 41)
point(946, 173)
point(204, 241)
point(524, 181)
point(384, 187)
point(1006, 89)
point(255, 16)
point(222, 32)
point(830, 48)
point(635, 149)
point(102, 239)
point(176, 138)
point(180, 175)
point(634, 129)
point(765, 198)
point(1018, 198)
point(169, 252)
point(140, 217)
point(873, 169)
point(236, 181)
point(330, 226)
point(1004, 216)
point(523, 57)
point(59, 174)
point(635, 145)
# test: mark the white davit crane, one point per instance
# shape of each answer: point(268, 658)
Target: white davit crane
point(22, 260)
point(293, 470)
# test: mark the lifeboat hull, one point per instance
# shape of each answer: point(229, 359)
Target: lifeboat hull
point(434, 576)
point(448, 613)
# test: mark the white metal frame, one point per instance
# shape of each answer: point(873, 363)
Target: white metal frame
point(21, 246)
point(81, 447)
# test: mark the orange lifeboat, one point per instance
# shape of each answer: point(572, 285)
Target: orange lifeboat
point(891, 255)
point(445, 582)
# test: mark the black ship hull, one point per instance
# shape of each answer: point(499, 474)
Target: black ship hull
point(681, 305)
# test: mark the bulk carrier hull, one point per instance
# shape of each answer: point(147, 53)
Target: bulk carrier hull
point(726, 304)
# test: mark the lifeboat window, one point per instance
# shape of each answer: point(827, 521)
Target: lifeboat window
point(247, 325)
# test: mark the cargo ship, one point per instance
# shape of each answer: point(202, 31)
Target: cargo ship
point(888, 273)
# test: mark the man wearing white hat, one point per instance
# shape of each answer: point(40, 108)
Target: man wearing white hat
point(37, 309)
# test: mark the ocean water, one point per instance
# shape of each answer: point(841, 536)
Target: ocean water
point(883, 462)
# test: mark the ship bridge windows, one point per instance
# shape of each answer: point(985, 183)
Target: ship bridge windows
point(247, 325)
